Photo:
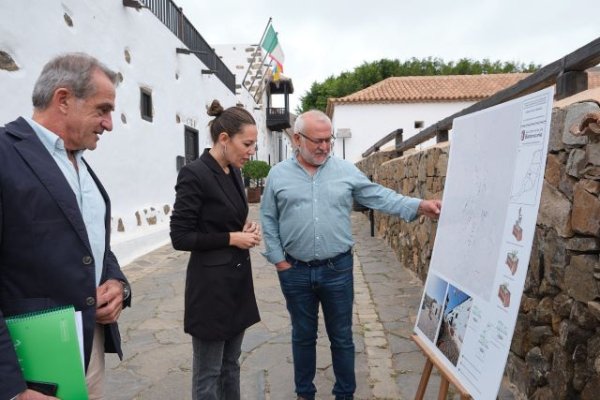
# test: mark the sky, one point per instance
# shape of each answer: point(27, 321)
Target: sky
point(327, 37)
point(436, 288)
point(456, 297)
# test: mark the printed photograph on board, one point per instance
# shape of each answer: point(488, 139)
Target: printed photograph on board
point(432, 303)
point(457, 309)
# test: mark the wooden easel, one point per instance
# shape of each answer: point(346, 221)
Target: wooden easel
point(446, 377)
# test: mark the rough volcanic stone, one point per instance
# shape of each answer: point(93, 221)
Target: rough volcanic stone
point(560, 376)
point(591, 389)
point(576, 163)
point(585, 217)
point(582, 316)
point(537, 368)
point(557, 126)
point(555, 210)
point(579, 278)
point(538, 334)
point(574, 115)
point(554, 169)
point(570, 335)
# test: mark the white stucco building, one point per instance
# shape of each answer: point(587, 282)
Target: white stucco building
point(457, 319)
point(160, 117)
point(410, 103)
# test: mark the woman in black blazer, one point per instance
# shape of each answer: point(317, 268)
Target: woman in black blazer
point(210, 220)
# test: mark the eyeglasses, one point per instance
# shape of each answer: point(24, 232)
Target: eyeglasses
point(328, 141)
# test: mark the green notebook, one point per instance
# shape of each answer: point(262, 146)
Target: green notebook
point(47, 346)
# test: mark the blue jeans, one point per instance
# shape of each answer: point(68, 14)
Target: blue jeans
point(216, 369)
point(329, 282)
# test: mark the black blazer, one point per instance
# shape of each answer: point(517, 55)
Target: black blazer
point(44, 249)
point(219, 293)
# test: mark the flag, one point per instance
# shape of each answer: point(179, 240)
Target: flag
point(277, 70)
point(271, 45)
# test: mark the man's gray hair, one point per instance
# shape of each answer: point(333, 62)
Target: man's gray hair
point(318, 115)
point(72, 71)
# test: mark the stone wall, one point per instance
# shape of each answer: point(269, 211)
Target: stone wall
point(420, 175)
point(555, 352)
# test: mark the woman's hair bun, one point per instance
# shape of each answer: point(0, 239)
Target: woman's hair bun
point(215, 109)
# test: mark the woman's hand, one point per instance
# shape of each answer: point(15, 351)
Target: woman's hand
point(251, 226)
point(244, 240)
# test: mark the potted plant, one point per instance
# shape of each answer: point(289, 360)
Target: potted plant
point(254, 172)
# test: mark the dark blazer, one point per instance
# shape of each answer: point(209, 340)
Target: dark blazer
point(219, 293)
point(45, 255)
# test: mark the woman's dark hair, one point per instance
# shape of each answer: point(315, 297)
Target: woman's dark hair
point(229, 121)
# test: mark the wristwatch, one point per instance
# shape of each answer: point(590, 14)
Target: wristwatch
point(126, 290)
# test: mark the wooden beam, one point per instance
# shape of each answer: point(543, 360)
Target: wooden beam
point(581, 59)
point(441, 136)
point(387, 138)
point(133, 4)
point(569, 83)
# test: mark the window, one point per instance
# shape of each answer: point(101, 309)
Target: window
point(191, 144)
point(419, 124)
point(146, 104)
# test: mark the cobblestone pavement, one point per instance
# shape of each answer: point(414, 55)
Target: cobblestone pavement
point(158, 354)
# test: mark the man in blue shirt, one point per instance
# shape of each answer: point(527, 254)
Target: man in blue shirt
point(305, 212)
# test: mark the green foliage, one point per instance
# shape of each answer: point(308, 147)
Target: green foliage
point(256, 171)
point(368, 74)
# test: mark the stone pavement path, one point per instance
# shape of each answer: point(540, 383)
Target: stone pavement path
point(158, 355)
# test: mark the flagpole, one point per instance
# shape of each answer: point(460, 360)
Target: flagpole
point(254, 54)
point(261, 71)
point(262, 90)
point(262, 86)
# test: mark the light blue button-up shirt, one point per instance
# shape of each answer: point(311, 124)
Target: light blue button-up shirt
point(308, 217)
point(90, 201)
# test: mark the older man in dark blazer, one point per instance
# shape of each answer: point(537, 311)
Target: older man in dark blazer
point(55, 217)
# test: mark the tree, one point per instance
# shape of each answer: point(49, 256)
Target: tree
point(368, 74)
point(255, 171)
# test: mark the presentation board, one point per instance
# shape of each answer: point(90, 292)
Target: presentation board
point(483, 242)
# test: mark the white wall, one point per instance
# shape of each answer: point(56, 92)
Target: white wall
point(137, 160)
point(371, 122)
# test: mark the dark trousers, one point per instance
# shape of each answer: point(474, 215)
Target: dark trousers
point(216, 369)
point(330, 283)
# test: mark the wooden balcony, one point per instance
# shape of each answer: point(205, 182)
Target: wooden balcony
point(278, 119)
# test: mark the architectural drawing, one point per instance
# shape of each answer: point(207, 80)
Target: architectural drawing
point(504, 294)
point(525, 186)
point(517, 231)
point(512, 261)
